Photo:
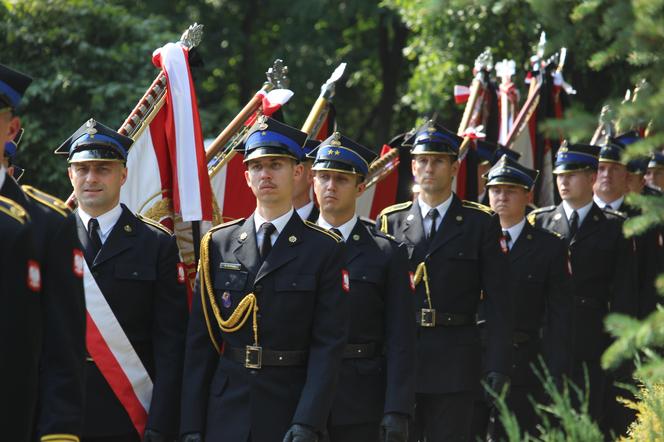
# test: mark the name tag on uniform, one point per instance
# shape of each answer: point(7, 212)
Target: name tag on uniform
point(230, 266)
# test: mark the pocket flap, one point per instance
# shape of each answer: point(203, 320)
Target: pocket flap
point(367, 274)
point(295, 283)
point(230, 279)
point(135, 272)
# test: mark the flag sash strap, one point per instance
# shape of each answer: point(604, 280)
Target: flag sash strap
point(114, 355)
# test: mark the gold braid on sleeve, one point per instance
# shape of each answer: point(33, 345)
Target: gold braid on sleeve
point(247, 307)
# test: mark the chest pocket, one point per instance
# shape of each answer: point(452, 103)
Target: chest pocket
point(230, 280)
point(372, 275)
point(135, 272)
point(295, 283)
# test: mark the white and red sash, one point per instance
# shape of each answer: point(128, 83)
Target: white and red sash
point(114, 355)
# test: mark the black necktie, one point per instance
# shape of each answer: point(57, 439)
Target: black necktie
point(573, 224)
point(508, 238)
point(433, 216)
point(266, 245)
point(337, 232)
point(93, 234)
point(608, 206)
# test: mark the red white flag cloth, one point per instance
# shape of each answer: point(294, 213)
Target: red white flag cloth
point(114, 355)
point(461, 94)
point(167, 161)
point(381, 195)
point(192, 196)
point(234, 197)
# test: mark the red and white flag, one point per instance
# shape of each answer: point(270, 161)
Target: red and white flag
point(381, 195)
point(167, 161)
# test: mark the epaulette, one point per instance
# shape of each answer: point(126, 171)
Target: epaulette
point(14, 210)
point(48, 200)
point(532, 215)
point(154, 223)
point(367, 221)
point(477, 206)
point(383, 234)
point(228, 223)
point(617, 213)
point(332, 235)
point(547, 231)
point(395, 208)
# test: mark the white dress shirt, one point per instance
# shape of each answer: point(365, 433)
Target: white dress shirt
point(615, 205)
point(345, 229)
point(278, 223)
point(305, 210)
point(442, 210)
point(583, 211)
point(106, 221)
point(514, 232)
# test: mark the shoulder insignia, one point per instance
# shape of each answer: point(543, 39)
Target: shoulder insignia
point(46, 199)
point(547, 232)
point(383, 234)
point(532, 216)
point(227, 224)
point(14, 210)
point(477, 206)
point(154, 223)
point(617, 213)
point(367, 221)
point(311, 225)
point(222, 225)
point(396, 208)
point(543, 209)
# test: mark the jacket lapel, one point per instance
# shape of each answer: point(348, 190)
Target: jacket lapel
point(590, 224)
point(450, 226)
point(246, 250)
point(356, 242)
point(523, 244)
point(120, 239)
point(84, 239)
point(413, 230)
point(285, 248)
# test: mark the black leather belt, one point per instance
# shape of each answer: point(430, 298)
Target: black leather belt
point(433, 318)
point(590, 302)
point(358, 351)
point(256, 357)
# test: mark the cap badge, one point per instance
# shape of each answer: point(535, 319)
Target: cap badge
point(262, 122)
point(336, 140)
point(90, 127)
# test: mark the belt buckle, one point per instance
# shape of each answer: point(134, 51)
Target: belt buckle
point(428, 317)
point(253, 356)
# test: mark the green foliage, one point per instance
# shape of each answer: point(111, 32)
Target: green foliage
point(93, 58)
point(88, 59)
point(563, 414)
